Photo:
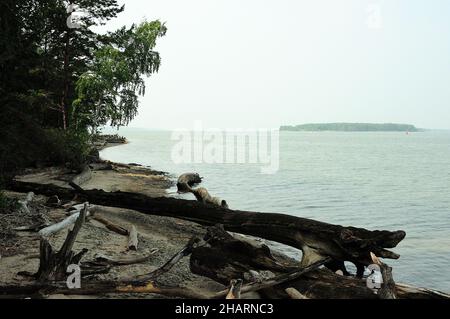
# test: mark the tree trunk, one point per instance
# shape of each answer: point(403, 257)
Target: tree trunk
point(316, 239)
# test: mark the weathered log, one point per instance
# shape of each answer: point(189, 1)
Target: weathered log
point(202, 195)
point(53, 266)
point(274, 281)
point(111, 226)
point(67, 222)
point(226, 258)
point(387, 289)
point(133, 238)
point(316, 239)
point(294, 293)
point(23, 203)
point(103, 264)
point(96, 288)
point(222, 262)
point(186, 181)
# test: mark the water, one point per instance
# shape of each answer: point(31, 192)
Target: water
point(372, 180)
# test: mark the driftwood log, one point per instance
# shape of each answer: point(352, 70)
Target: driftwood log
point(316, 239)
point(133, 238)
point(186, 181)
point(271, 274)
point(53, 266)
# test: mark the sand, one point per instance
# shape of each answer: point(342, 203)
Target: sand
point(19, 250)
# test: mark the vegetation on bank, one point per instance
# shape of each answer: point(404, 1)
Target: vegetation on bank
point(58, 83)
point(352, 127)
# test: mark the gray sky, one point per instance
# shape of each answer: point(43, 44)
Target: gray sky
point(261, 63)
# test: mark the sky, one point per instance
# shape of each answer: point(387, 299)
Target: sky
point(266, 63)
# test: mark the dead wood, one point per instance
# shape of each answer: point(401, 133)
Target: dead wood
point(53, 265)
point(111, 226)
point(133, 238)
point(186, 181)
point(316, 239)
point(235, 289)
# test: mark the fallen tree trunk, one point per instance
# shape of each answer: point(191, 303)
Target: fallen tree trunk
point(225, 259)
point(317, 240)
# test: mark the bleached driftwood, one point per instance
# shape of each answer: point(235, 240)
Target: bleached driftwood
point(316, 239)
point(202, 195)
point(55, 228)
point(132, 238)
point(295, 294)
point(53, 265)
point(23, 203)
point(186, 181)
point(388, 288)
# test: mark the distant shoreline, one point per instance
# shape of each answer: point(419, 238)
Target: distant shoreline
point(352, 127)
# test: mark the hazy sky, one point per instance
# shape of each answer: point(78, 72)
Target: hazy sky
point(261, 63)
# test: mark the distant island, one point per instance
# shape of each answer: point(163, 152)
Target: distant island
point(352, 127)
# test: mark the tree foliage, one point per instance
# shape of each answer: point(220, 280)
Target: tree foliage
point(57, 78)
point(108, 91)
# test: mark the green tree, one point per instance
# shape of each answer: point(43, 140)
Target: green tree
point(108, 91)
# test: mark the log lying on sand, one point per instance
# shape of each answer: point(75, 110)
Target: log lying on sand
point(53, 265)
point(317, 240)
point(225, 259)
point(111, 226)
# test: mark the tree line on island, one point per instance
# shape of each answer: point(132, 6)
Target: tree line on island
point(352, 127)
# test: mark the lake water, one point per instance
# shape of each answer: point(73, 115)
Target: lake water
point(373, 180)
